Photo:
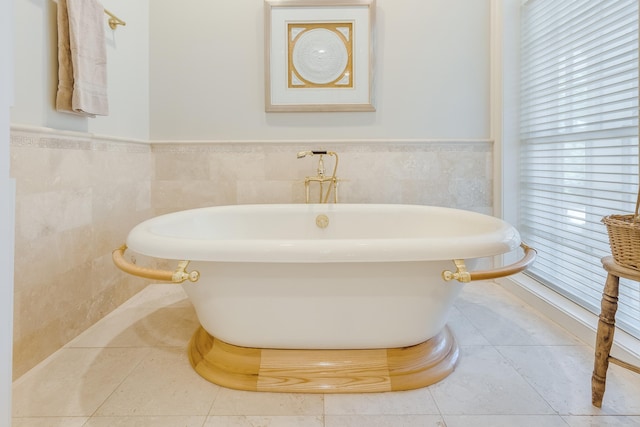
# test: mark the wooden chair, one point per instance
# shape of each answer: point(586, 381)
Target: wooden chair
point(606, 328)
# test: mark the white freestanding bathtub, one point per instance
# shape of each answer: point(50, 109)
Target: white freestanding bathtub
point(333, 277)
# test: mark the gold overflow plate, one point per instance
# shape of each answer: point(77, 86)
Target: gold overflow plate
point(322, 221)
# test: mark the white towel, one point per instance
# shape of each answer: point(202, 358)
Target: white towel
point(82, 58)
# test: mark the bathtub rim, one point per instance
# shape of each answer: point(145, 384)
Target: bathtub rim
point(145, 239)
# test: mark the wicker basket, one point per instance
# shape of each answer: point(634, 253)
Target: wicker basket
point(624, 238)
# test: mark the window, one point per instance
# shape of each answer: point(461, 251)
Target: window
point(579, 142)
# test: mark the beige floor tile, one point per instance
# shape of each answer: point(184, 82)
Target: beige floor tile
point(170, 326)
point(384, 421)
point(74, 381)
point(131, 369)
point(602, 421)
point(562, 374)
point(264, 421)
point(504, 421)
point(165, 421)
point(485, 383)
point(484, 292)
point(158, 295)
point(402, 402)
point(463, 330)
point(50, 422)
point(164, 383)
point(508, 321)
point(237, 402)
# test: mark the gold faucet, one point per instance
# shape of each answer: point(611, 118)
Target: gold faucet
point(321, 178)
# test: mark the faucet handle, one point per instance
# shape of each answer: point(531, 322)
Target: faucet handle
point(321, 167)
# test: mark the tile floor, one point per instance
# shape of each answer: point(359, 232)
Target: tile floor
point(131, 369)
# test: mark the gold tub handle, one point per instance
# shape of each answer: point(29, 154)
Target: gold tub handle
point(178, 276)
point(462, 275)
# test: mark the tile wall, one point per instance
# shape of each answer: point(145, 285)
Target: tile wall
point(78, 195)
point(442, 173)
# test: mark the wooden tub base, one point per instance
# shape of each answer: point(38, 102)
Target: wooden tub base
point(323, 371)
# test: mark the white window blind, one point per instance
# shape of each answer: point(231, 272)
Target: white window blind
point(579, 142)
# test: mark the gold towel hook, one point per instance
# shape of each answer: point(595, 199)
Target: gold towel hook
point(114, 21)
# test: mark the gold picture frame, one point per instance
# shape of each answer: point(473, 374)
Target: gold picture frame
point(319, 55)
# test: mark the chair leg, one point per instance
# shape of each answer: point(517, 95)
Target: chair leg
point(604, 338)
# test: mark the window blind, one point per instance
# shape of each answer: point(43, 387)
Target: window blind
point(578, 142)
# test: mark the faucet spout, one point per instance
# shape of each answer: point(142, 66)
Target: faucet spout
point(302, 154)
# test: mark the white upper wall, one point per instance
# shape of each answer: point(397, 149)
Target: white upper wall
point(207, 74)
point(194, 70)
point(36, 72)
